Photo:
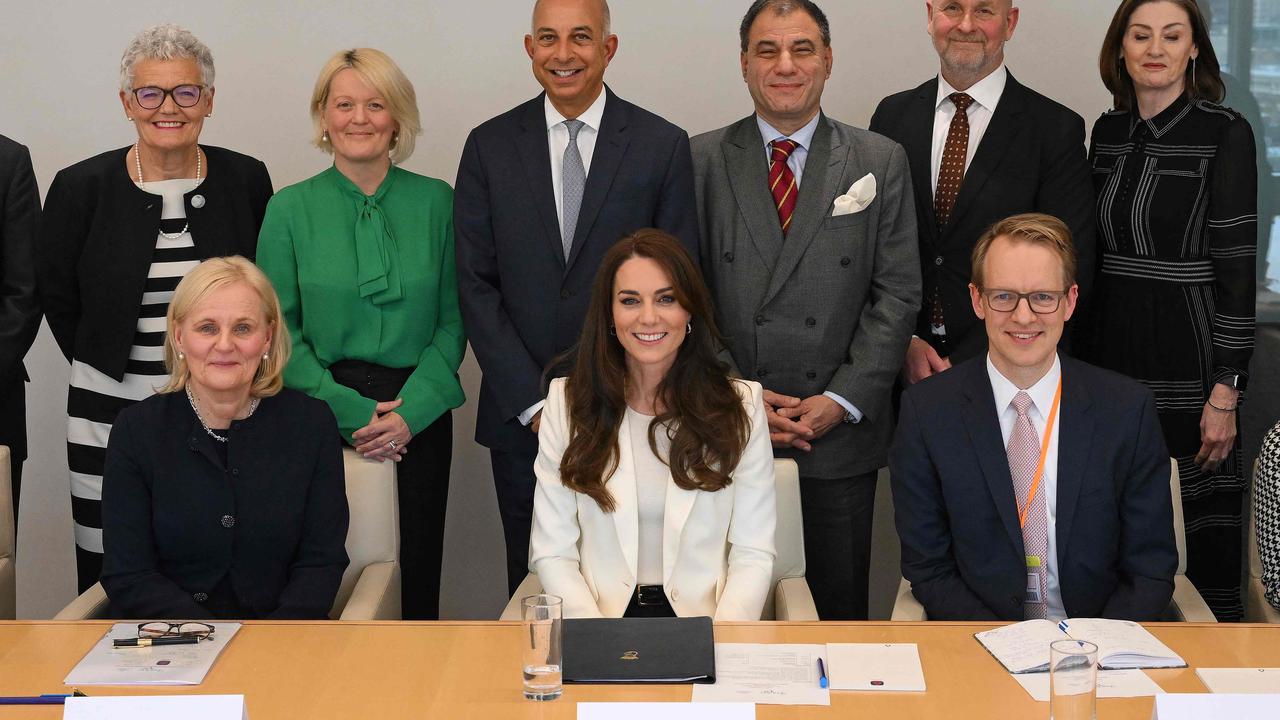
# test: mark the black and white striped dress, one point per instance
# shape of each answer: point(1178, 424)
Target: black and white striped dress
point(1173, 304)
point(94, 398)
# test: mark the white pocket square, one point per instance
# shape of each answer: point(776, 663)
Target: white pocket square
point(857, 199)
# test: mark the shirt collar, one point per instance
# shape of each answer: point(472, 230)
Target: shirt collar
point(1164, 120)
point(1041, 393)
point(803, 136)
point(986, 92)
point(590, 117)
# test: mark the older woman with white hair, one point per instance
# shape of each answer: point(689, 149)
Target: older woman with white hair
point(223, 495)
point(119, 230)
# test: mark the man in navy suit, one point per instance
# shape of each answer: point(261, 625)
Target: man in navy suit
point(1027, 484)
point(1012, 150)
point(543, 191)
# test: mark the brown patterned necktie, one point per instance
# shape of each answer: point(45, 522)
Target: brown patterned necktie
point(950, 176)
point(782, 182)
point(1024, 456)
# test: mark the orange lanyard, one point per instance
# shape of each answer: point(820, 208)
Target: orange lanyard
point(1044, 455)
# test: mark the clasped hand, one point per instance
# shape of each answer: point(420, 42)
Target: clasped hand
point(387, 435)
point(796, 422)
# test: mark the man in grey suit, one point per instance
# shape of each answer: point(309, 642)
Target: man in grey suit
point(809, 246)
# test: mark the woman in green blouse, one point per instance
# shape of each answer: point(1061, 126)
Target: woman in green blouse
point(362, 258)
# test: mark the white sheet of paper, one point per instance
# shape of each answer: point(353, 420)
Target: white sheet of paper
point(1111, 684)
point(768, 674)
point(1240, 680)
point(162, 665)
point(164, 707)
point(1021, 645)
point(666, 711)
point(1198, 706)
point(875, 666)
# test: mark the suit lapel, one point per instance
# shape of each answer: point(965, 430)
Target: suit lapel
point(823, 169)
point(996, 141)
point(1075, 440)
point(748, 170)
point(531, 144)
point(983, 424)
point(919, 147)
point(622, 486)
point(676, 511)
point(611, 146)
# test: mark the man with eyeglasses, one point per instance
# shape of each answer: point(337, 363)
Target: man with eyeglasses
point(1027, 484)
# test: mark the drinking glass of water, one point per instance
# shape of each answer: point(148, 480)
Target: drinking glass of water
point(1073, 680)
point(542, 650)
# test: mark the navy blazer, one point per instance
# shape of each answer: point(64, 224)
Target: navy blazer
point(522, 304)
point(98, 235)
point(957, 517)
point(176, 521)
point(1031, 159)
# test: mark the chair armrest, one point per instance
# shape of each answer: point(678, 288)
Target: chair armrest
point(91, 605)
point(1187, 605)
point(906, 607)
point(793, 601)
point(376, 595)
point(529, 586)
point(8, 590)
point(1256, 607)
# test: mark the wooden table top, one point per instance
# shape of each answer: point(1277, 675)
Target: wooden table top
point(471, 670)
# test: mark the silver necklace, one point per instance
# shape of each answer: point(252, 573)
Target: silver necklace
point(253, 405)
point(137, 159)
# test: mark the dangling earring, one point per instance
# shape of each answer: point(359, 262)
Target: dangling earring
point(324, 136)
point(395, 138)
point(688, 328)
point(1193, 70)
point(613, 331)
point(181, 356)
point(264, 356)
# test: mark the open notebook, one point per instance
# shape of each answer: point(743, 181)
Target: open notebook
point(1024, 647)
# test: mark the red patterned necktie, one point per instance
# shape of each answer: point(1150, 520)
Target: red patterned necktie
point(782, 182)
point(950, 175)
point(1024, 456)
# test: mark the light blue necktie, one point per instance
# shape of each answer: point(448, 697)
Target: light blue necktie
point(574, 178)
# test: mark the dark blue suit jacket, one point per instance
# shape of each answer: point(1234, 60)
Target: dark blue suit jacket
point(957, 517)
point(522, 304)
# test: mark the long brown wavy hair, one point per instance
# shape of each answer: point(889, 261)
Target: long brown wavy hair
point(700, 409)
point(1203, 77)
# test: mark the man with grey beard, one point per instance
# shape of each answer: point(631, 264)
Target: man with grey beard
point(982, 147)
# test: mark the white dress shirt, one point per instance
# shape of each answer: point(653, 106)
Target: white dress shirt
point(986, 95)
point(804, 139)
point(557, 143)
point(1042, 401)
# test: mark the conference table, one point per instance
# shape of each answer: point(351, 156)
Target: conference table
point(471, 670)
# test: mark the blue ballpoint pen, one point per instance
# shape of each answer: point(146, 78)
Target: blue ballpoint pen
point(48, 699)
point(822, 674)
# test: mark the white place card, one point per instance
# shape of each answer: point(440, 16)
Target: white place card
point(164, 707)
point(1198, 706)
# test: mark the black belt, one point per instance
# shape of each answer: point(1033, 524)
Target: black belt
point(650, 595)
point(649, 601)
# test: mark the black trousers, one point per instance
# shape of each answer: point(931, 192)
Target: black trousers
point(837, 543)
point(422, 482)
point(513, 479)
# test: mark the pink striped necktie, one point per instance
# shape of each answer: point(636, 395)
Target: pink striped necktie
point(1024, 456)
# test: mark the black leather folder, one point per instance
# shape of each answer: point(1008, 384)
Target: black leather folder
point(639, 650)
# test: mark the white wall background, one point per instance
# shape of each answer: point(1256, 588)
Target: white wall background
point(678, 58)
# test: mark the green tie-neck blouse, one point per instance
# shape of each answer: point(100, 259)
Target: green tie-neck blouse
point(368, 277)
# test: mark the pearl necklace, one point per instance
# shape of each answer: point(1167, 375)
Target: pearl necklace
point(253, 405)
point(137, 159)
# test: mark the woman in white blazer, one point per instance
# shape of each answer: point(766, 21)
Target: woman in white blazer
point(655, 492)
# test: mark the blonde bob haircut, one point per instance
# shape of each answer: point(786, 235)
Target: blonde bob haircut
point(1035, 228)
point(207, 277)
point(382, 74)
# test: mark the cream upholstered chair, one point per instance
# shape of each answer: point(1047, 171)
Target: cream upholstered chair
point(370, 588)
point(1186, 604)
point(791, 598)
point(1256, 607)
point(8, 560)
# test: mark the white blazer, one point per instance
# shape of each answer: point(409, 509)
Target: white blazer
point(717, 547)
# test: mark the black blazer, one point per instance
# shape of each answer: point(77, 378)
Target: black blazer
point(19, 309)
point(176, 521)
point(1031, 159)
point(522, 304)
point(98, 236)
point(957, 517)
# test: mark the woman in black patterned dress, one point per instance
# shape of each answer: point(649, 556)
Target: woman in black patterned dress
point(1173, 304)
